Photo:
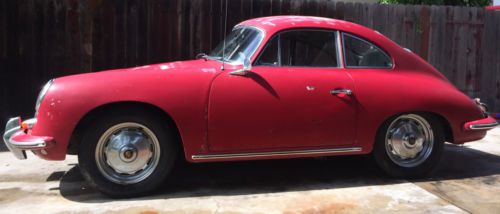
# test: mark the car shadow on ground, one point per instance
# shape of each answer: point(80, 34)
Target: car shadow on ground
point(3, 147)
point(270, 176)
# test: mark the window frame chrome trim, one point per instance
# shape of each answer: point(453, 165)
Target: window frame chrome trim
point(335, 32)
point(253, 52)
point(367, 41)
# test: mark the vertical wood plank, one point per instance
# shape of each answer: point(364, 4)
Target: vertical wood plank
point(459, 48)
point(448, 43)
point(436, 37)
point(348, 12)
point(424, 28)
point(472, 55)
point(339, 9)
point(330, 12)
point(295, 7)
point(496, 59)
point(3, 61)
point(399, 24)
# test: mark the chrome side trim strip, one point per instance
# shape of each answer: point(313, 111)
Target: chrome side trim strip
point(483, 126)
point(274, 154)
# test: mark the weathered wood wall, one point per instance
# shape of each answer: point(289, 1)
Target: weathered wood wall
point(43, 39)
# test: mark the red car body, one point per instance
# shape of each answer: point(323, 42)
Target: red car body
point(273, 109)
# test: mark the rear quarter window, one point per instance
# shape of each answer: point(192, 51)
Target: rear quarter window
point(359, 53)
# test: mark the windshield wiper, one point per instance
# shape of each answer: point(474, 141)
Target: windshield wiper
point(205, 56)
point(202, 55)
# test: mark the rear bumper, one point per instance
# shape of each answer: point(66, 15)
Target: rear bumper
point(483, 124)
point(18, 140)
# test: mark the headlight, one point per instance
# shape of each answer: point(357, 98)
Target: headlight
point(41, 95)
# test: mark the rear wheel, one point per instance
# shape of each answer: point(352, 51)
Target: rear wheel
point(409, 145)
point(126, 155)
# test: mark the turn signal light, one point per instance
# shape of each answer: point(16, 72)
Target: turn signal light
point(24, 126)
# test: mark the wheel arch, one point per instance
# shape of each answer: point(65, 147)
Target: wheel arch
point(91, 115)
point(448, 132)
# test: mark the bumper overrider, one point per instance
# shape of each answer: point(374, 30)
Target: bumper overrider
point(18, 140)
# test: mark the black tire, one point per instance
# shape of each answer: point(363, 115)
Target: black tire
point(381, 154)
point(87, 153)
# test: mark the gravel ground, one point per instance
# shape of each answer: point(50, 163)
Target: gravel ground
point(466, 181)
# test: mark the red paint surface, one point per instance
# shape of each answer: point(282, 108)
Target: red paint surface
point(271, 109)
point(496, 7)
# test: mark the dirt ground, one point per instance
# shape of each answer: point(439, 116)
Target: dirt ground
point(466, 181)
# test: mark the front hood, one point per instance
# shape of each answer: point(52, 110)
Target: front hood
point(138, 83)
point(195, 66)
point(184, 71)
point(201, 65)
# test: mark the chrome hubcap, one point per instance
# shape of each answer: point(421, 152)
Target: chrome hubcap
point(409, 140)
point(127, 153)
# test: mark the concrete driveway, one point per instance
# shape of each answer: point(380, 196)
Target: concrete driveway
point(467, 180)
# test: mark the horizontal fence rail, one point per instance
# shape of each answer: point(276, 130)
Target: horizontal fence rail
point(43, 39)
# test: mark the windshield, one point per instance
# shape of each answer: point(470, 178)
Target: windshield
point(241, 42)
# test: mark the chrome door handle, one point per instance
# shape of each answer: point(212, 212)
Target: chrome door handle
point(341, 91)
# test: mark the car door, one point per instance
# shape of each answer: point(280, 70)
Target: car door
point(285, 101)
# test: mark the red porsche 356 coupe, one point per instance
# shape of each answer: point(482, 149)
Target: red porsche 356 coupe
point(277, 87)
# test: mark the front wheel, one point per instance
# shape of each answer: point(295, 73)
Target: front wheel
point(409, 145)
point(127, 155)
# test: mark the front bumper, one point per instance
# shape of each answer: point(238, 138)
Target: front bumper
point(482, 124)
point(18, 140)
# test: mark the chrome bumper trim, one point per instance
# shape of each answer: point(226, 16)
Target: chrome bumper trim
point(275, 154)
point(13, 126)
point(40, 144)
point(483, 126)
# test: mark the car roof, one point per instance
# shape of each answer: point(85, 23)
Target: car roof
point(272, 24)
point(401, 58)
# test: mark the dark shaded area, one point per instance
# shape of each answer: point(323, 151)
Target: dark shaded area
point(461, 162)
point(3, 147)
point(248, 177)
point(252, 177)
point(263, 82)
point(55, 176)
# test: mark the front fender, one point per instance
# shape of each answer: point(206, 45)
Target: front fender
point(181, 94)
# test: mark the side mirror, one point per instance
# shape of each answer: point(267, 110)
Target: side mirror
point(247, 67)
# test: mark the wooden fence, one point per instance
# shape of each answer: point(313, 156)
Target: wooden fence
point(43, 39)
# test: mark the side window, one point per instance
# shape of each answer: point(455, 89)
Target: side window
point(269, 56)
point(312, 48)
point(305, 48)
point(360, 53)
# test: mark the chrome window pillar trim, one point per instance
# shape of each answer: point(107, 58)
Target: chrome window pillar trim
point(276, 154)
point(279, 50)
point(340, 54)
